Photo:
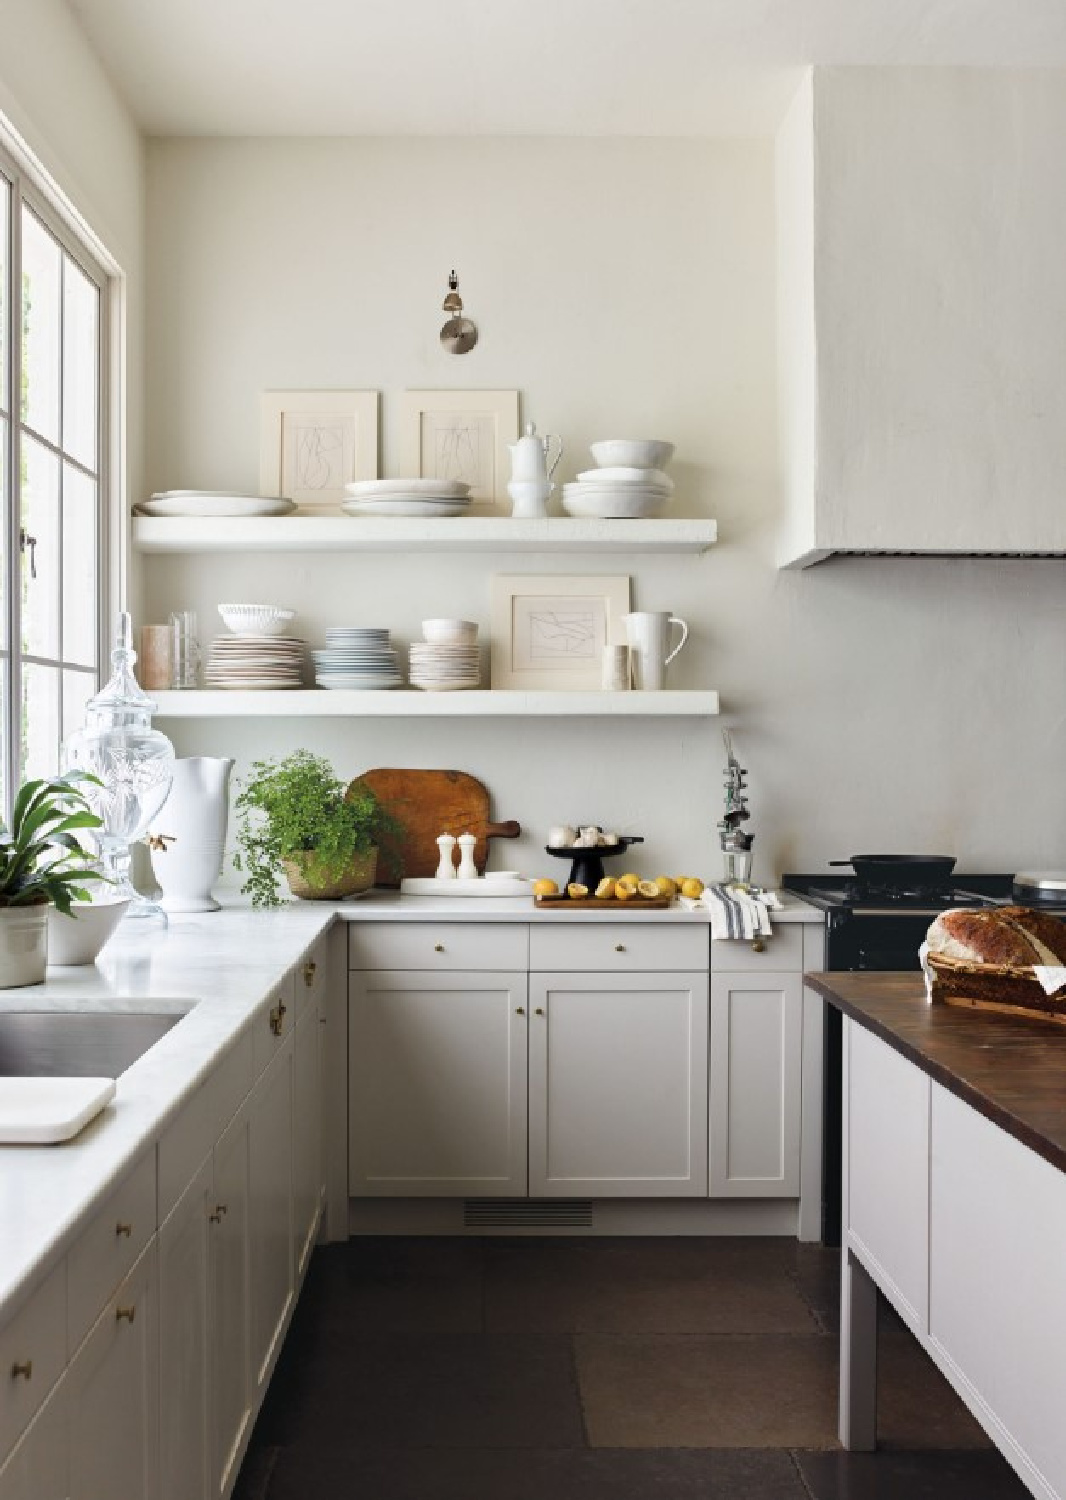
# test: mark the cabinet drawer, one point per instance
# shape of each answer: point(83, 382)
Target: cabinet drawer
point(33, 1352)
point(781, 951)
point(272, 1023)
point(108, 1247)
point(601, 947)
point(193, 1134)
point(438, 945)
point(310, 978)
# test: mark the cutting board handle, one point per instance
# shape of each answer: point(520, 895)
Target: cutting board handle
point(508, 830)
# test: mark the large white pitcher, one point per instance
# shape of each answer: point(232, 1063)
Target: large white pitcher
point(648, 634)
point(188, 840)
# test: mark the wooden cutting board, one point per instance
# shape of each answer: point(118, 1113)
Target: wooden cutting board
point(425, 804)
point(591, 903)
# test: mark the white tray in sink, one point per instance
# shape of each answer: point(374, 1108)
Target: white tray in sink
point(429, 885)
point(43, 1111)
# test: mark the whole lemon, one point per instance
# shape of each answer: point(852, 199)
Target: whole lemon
point(624, 892)
point(545, 887)
point(692, 888)
point(630, 878)
point(666, 886)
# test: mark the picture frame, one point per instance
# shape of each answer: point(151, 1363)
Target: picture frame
point(461, 435)
point(313, 443)
point(548, 632)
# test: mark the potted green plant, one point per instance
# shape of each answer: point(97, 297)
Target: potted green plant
point(295, 817)
point(42, 864)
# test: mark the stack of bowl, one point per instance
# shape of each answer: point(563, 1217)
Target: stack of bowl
point(447, 658)
point(258, 653)
point(628, 481)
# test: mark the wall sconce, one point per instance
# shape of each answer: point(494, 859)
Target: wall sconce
point(458, 335)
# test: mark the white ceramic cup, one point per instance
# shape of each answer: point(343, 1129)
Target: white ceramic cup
point(648, 634)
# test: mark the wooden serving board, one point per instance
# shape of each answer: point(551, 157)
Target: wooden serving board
point(965, 1002)
point(590, 903)
point(425, 804)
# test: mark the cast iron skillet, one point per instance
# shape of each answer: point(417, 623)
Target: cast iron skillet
point(900, 871)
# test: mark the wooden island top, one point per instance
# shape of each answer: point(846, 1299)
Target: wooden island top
point(1011, 1070)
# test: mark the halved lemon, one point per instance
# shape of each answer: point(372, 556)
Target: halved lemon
point(624, 892)
point(648, 888)
point(666, 886)
point(630, 879)
point(576, 891)
point(605, 889)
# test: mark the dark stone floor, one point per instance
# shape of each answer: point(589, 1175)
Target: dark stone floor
point(582, 1369)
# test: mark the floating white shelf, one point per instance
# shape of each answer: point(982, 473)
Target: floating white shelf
point(458, 534)
point(410, 703)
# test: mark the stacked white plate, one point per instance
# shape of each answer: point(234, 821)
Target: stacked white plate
point(445, 668)
point(255, 661)
point(624, 485)
point(359, 657)
point(406, 497)
point(211, 503)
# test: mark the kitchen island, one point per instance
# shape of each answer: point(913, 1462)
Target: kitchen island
point(954, 1150)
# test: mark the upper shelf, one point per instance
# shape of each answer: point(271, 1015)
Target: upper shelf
point(318, 703)
point(455, 534)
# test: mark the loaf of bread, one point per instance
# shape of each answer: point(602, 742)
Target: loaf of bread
point(986, 958)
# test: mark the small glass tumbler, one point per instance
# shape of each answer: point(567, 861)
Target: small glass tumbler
point(737, 866)
point(184, 650)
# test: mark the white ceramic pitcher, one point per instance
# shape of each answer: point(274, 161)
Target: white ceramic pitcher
point(648, 634)
point(531, 485)
point(188, 841)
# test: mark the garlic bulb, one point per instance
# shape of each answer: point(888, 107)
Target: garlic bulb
point(562, 837)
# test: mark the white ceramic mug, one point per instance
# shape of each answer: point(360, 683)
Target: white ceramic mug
point(648, 634)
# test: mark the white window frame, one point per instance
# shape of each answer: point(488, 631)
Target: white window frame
point(29, 187)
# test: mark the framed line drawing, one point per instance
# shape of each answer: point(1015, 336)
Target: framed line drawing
point(313, 443)
point(461, 435)
point(549, 632)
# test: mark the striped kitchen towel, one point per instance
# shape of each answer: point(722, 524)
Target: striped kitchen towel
point(736, 913)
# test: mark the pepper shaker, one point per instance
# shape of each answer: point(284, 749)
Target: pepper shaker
point(467, 867)
point(446, 868)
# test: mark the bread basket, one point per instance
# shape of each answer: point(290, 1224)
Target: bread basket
point(1011, 990)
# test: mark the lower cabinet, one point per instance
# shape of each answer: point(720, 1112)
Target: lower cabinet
point(437, 1084)
point(185, 1338)
point(39, 1467)
point(307, 1163)
point(618, 1085)
point(271, 1268)
point(755, 1076)
point(112, 1395)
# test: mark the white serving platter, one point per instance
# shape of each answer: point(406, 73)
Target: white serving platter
point(428, 885)
point(44, 1111)
point(194, 503)
point(433, 488)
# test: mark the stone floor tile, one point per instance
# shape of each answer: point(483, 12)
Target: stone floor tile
point(910, 1476)
point(393, 1284)
point(916, 1406)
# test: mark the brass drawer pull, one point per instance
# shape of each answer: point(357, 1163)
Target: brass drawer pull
point(218, 1213)
point(758, 945)
point(125, 1314)
point(123, 1231)
point(277, 1019)
point(520, 1010)
point(619, 947)
point(438, 947)
point(22, 1368)
point(539, 1010)
point(310, 970)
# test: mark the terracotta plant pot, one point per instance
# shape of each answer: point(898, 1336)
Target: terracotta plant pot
point(23, 944)
point(308, 882)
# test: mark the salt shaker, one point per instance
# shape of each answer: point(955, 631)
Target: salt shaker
point(446, 845)
point(467, 867)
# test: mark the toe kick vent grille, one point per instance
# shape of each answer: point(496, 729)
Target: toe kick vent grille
point(519, 1213)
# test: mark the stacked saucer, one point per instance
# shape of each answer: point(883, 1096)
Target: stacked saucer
point(448, 659)
point(628, 482)
point(255, 661)
point(406, 497)
point(359, 657)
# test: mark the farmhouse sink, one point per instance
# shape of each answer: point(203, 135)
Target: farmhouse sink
point(78, 1044)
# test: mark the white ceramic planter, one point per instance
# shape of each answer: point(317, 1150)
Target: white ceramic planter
point(23, 945)
point(193, 821)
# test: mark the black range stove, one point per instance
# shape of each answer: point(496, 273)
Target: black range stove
point(880, 929)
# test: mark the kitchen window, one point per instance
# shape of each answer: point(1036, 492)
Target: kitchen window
point(53, 573)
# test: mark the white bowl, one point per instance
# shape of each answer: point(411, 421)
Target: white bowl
point(256, 619)
point(449, 632)
point(612, 504)
point(78, 939)
point(632, 453)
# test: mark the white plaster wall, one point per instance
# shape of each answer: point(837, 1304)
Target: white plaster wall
point(56, 95)
point(625, 287)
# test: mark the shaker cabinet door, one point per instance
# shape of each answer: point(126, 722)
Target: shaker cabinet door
point(184, 1334)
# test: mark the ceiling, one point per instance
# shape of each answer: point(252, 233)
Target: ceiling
point(500, 67)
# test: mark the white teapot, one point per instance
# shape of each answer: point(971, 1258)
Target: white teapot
point(531, 476)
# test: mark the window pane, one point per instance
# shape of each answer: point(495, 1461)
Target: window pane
point(5, 707)
point(40, 720)
point(78, 688)
point(40, 550)
point(79, 567)
point(3, 537)
point(41, 260)
point(80, 329)
point(5, 219)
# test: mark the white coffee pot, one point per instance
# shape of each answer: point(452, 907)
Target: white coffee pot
point(532, 469)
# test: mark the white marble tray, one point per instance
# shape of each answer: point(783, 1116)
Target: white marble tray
point(429, 886)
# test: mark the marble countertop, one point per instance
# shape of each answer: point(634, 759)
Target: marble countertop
point(219, 968)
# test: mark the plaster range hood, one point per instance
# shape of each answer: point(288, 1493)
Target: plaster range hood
point(921, 307)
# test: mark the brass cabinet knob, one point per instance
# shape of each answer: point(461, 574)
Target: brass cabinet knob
point(277, 1018)
point(539, 1010)
point(619, 947)
point(438, 947)
point(758, 945)
point(310, 970)
point(22, 1369)
point(125, 1314)
point(123, 1231)
point(520, 1010)
point(218, 1213)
